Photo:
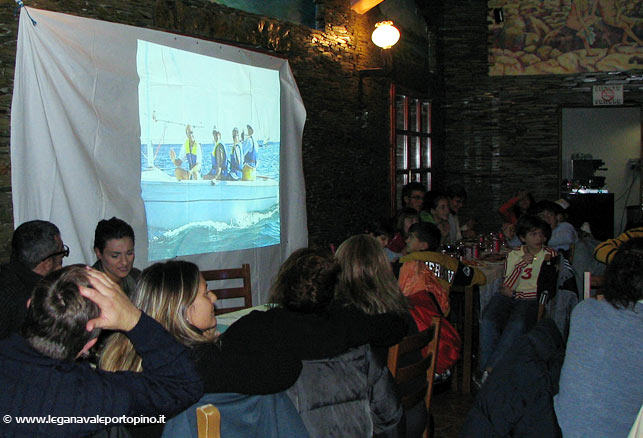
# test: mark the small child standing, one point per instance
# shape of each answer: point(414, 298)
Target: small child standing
point(514, 310)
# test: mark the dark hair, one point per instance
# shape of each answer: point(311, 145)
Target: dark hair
point(456, 191)
point(381, 227)
point(432, 199)
point(428, 233)
point(56, 319)
point(411, 187)
point(404, 214)
point(532, 204)
point(306, 281)
point(528, 223)
point(34, 241)
point(113, 228)
point(550, 206)
point(624, 275)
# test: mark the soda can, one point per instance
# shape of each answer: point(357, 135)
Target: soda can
point(476, 251)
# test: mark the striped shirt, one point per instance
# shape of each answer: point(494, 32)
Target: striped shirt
point(521, 277)
point(605, 251)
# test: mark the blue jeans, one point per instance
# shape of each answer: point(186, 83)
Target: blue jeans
point(503, 321)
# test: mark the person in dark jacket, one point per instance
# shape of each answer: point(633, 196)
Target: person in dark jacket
point(259, 354)
point(40, 377)
point(36, 250)
point(367, 283)
point(517, 398)
point(350, 395)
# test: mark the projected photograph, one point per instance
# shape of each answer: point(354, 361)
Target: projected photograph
point(210, 144)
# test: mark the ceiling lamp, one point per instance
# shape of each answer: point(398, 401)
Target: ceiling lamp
point(385, 34)
point(363, 6)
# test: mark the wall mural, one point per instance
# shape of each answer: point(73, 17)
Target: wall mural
point(565, 36)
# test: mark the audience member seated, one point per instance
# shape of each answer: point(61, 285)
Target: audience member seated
point(457, 196)
point(367, 283)
point(521, 204)
point(601, 383)
point(436, 211)
point(425, 278)
point(509, 233)
point(261, 353)
point(517, 399)
point(405, 218)
point(41, 378)
point(413, 196)
point(424, 269)
point(383, 232)
point(605, 251)
point(36, 250)
point(350, 395)
point(513, 311)
point(114, 249)
point(584, 260)
point(563, 234)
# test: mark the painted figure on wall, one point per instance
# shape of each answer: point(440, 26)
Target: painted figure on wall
point(565, 36)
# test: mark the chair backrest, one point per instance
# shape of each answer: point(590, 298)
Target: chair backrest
point(426, 340)
point(208, 421)
point(245, 291)
point(593, 282)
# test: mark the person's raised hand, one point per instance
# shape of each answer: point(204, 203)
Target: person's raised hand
point(116, 310)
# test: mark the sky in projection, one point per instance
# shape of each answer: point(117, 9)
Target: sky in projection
point(179, 88)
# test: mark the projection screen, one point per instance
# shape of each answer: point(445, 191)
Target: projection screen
point(196, 144)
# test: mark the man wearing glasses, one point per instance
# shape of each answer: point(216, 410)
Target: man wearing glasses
point(413, 196)
point(36, 250)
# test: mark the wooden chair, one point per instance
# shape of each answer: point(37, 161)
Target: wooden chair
point(426, 367)
point(208, 421)
point(465, 328)
point(225, 293)
point(593, 282)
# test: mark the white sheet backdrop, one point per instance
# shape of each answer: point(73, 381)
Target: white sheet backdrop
point(75, 136)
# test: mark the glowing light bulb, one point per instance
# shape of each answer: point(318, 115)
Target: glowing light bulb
point(385, 34)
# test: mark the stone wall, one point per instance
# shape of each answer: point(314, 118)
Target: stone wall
point(501, 133)
point(346, 141)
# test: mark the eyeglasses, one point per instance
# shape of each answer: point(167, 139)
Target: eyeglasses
point(64, 252)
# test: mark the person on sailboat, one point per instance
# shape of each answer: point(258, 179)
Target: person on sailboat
point(250, 156)
point(219, 159)
point(236, 158)
point(190, 153)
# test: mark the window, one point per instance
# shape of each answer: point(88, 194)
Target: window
point(411, 139)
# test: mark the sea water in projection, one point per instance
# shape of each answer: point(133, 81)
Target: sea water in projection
point(210, 142)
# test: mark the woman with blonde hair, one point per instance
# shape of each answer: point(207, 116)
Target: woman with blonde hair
point(261, 353)
point(367, 283)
